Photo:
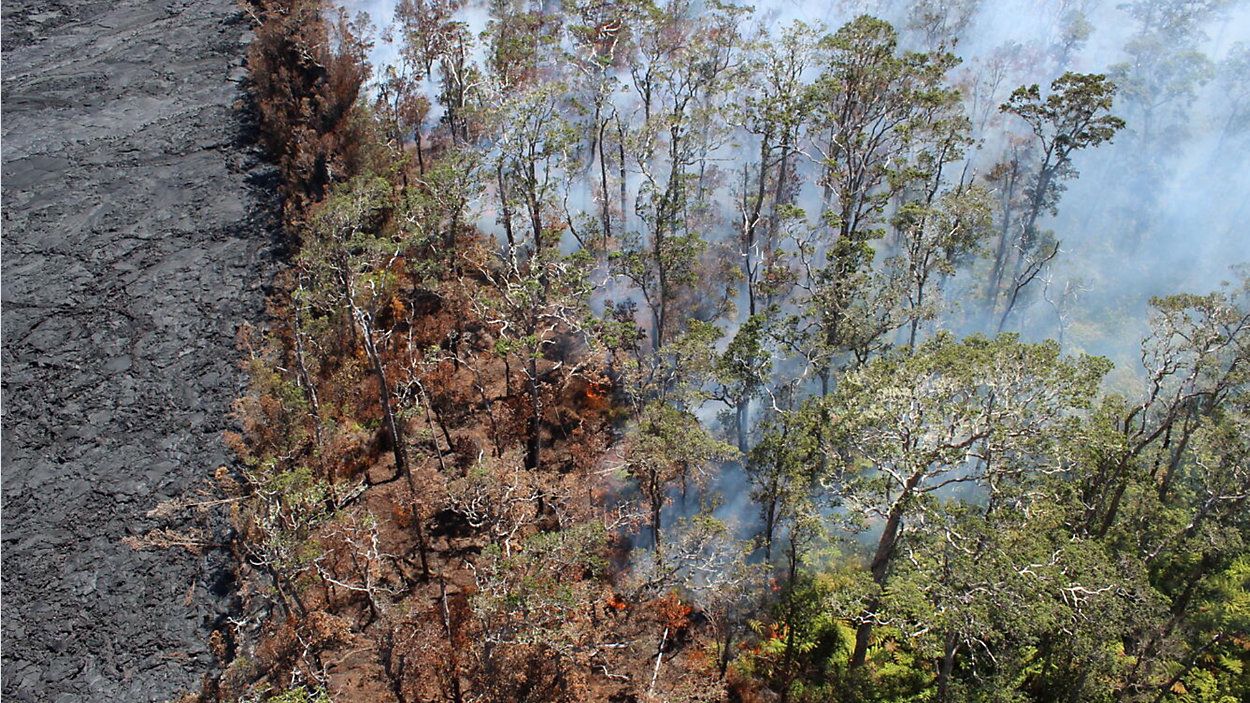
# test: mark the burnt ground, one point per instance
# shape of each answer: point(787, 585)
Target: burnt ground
point(135, 241)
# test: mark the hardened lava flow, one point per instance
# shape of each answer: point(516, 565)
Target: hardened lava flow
point(134, 245)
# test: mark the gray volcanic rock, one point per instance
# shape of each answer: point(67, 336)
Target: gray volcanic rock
point(135, 241)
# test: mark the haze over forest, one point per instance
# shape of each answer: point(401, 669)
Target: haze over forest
point(1158, 211)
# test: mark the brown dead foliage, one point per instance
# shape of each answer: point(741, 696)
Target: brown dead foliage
point(306, 76)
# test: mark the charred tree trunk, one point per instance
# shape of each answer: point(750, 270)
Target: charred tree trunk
point(398, 447)
point(533, 442)
point(950, 646)
point(881, 567)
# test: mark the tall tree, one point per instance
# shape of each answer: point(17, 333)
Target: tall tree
point(1075, 115)
point(977, 412)
point(874, 107)
point(542, 293)
point(353, 262)
point(307, 74)
point(771, 111)
point(678, 74)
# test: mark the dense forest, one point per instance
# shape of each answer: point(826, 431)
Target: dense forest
point(671, 350)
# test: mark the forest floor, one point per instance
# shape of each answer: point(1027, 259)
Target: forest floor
point(135, 242)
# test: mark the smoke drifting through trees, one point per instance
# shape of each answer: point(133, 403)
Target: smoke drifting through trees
point(1153, 212)
point(1157, 210)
